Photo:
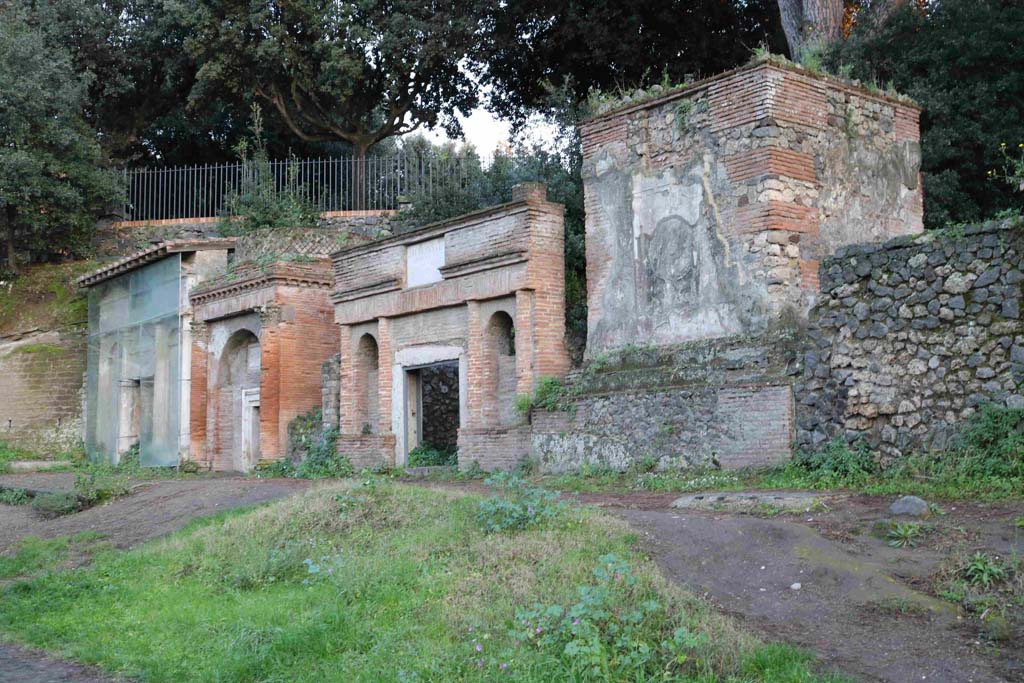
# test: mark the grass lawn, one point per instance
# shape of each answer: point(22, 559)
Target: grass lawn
point(378, 581)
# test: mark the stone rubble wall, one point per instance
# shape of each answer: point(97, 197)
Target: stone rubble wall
point(113, 240)
point(910, 337)
point(330, 391)
point(439, 387)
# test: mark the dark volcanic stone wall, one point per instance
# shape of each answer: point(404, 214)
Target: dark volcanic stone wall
point(440, 391)
point(910, 337)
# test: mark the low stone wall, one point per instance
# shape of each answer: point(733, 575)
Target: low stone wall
point(910, 337)
point(721, 403)
point(41, 376)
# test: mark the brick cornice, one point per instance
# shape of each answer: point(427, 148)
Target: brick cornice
point(311, 276)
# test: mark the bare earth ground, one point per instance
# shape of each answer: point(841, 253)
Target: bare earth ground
point(863, 606)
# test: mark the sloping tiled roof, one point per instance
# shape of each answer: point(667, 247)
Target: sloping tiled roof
point(154, 253)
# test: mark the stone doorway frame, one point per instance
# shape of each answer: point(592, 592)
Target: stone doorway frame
point(410, 360)
point(250, 454)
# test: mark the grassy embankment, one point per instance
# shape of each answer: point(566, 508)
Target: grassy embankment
point(377, 581)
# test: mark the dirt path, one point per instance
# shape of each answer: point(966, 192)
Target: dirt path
point(856, 606)
point(155, 509)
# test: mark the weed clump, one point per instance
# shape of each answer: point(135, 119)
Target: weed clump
point(517, 505)
point(426, 455)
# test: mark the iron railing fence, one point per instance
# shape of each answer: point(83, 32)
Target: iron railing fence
point(338, 184)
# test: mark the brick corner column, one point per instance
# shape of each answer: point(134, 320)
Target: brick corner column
point(199, 392)
point(384, 363)
point(526, 346)
point(347, 390)
point(475, 363)
point(270, 383)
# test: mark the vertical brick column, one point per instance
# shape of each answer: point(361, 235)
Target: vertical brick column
point(348, 390)
point(199, 392)
point(384, 364)
point(526, 348)
point(474, 365)
point(270, 382)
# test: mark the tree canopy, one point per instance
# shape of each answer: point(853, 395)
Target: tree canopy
point(539, 55)
point(358, 71)
point(52, 176)
point(963, 62)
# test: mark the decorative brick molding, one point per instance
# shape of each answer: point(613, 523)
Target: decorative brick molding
point(505, 261)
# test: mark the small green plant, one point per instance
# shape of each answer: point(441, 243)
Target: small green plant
point(1012, 172)
point(523, 404)
point(1019, 522)
point(984, 570)
point(426, 455)
point(904, 535)
point(614, 631)
point(516, 505)
point(14, 497)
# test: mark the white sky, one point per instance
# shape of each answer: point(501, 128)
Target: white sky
point(486, 132)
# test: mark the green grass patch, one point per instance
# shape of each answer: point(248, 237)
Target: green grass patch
point(380, 581)
point(34, 554)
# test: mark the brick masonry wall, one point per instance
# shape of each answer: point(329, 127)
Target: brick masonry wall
point(494, 449)
point(41, 377)
point(709, 209)
point(911, 337)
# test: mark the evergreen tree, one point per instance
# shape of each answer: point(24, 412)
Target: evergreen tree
point(963, 62)
point(52, 178)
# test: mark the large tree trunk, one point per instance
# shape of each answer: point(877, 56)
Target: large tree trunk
point(810, 24)
point(359, 187)
point(10, 215)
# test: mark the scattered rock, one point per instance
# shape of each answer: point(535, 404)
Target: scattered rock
point(796, 586)
point(911, 506)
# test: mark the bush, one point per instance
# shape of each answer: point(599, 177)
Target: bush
point(426, 455)
point(992, 443)
point(838, 464)
point(14, 496)
point(57, 503)
point(517, 505)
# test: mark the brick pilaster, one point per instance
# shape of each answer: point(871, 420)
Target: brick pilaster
point(384, 364)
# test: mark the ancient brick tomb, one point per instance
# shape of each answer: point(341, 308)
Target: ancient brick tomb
point(478, 300)
point(708, 211)
point(260, 336)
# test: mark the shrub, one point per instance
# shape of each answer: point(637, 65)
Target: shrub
point(615, 631)
point(426, 455)
point(14, 497)
point(992, 442)
point(838, 463)
point(56, 503)
point(517, 505)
